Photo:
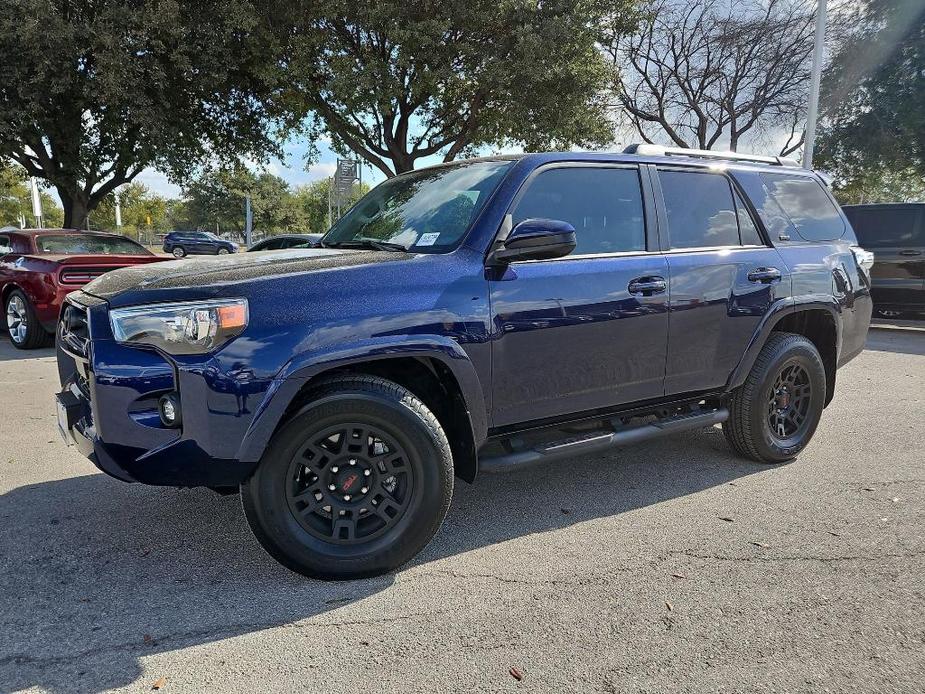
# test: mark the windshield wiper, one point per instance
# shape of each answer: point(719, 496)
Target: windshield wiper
point(368, 243)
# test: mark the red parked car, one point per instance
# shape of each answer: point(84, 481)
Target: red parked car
point(38, 267)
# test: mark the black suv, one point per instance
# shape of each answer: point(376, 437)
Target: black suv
point(183, 243)
point(478, 316)
point(896, 233)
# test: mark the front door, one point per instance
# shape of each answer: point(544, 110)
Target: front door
point(587, 331)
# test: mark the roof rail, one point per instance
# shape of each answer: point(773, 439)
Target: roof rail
point(646, 149)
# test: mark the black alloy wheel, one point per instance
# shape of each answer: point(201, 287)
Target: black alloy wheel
point(774, 414)
point(788, 403)
point(349, 483)
point(354, 484)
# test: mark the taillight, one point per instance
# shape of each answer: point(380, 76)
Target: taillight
point(81, 275)
point(865, 259)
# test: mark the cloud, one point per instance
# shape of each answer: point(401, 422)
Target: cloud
point(157, 183)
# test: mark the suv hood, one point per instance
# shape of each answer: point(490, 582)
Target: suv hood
point(200, 271)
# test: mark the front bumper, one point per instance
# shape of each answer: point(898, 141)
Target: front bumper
point(107, 408)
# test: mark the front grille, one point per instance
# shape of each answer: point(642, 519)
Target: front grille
point(82, 275)
point(74, 330)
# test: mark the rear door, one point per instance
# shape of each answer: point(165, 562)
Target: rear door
point(896, 235)
point(589, 330)
point(724, 277)
point(204, 243)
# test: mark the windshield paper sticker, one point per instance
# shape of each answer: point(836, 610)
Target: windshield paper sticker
point(428, 239)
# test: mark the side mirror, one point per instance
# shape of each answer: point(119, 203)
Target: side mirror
point(536, 239)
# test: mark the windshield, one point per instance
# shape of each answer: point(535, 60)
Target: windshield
point(426, 211)
point(74, 244)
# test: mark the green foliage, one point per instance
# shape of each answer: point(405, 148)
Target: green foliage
point(93, 91)
point(398, 80)
point(16, 200)
point(142, 210)
point(215, 200)
point(312, 200)
point(873, 134)
point(882, 185)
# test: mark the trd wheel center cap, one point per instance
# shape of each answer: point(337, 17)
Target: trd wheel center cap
point(350, 478)
point(783, 399)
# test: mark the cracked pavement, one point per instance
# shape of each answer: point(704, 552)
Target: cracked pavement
point(608, 573)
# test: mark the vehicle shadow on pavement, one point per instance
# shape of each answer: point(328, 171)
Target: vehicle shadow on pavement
point(97, 574)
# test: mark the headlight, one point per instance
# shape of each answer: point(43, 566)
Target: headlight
point(187, 328)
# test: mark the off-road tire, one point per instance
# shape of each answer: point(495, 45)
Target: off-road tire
point(748, 429)
point(400, 417)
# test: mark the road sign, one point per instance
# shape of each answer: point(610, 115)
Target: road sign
point(344, 178)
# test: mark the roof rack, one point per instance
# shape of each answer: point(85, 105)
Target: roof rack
point(646, 149)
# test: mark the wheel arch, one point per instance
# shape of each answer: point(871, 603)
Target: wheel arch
point(441, 375)
point(818, 321)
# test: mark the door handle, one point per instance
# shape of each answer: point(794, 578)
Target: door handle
point(647, 286)
point(764, 275)
point(910, 252)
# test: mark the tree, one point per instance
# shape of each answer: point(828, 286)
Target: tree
point(312, 199)
point(94, 91)
point(395, 81)
point(140, 210)
point(216, 201)
point(873, 100)
point(880, 185)
point(708, 73)
point(16, 200)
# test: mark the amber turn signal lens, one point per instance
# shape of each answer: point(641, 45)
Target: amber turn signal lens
point(232, 316)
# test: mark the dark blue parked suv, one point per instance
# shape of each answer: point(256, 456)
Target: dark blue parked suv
point(477, 316)
point(183, 243)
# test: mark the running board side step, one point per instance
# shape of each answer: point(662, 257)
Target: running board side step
point(599, 441)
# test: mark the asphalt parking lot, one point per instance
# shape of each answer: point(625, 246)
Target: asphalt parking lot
point(670, 566)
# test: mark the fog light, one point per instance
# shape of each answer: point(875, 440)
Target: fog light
point(169, 406)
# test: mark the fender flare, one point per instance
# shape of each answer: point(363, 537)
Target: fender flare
point(306, 366)
point(780, 309)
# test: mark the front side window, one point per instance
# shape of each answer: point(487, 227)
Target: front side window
point(5, 245)
point(78, 244)
point(425, 211)
point(701, 211)
point(885, 227)
point(809, 208)
point(604, 205)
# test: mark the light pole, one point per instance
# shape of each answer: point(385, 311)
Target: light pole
point(812, 113)
point(36, 203)
point(248, 221)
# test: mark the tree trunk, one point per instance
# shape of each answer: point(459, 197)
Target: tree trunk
point(76, 209)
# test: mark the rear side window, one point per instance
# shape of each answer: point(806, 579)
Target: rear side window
point(603, 204)
point(886, 227)
point(748, 230)
point(809, 208)
point(701, 211)
point(5, 245)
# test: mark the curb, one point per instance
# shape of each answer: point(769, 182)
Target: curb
point(904, 326)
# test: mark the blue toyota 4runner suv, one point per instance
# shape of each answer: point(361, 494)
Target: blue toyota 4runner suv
point(476, 316)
